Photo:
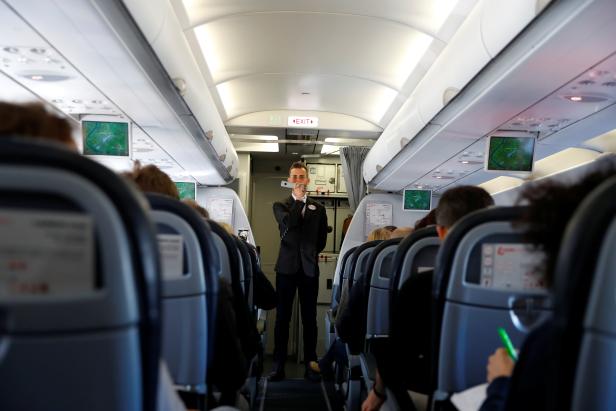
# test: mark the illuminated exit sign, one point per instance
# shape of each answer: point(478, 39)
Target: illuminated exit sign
point(295, 121)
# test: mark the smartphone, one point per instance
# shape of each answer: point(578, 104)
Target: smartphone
point(286, 184)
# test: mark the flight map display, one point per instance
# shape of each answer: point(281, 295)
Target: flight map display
point(417, 200)
point(186, 190)
point(103, 138)
point(511, 153)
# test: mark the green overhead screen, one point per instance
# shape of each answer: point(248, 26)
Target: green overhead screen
point(510, 154)
point(187, 190)
point(417, 200)
point(105, 138)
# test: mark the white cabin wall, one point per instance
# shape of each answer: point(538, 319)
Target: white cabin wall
point(243, 181)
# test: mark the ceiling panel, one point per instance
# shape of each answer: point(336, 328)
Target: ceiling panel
point(356, 57)
point(345, 95)
point(425, 15)
point(309, 43)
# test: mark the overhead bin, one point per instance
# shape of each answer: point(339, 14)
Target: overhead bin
point(486, 31)
point(164, 33)
point(105, 46)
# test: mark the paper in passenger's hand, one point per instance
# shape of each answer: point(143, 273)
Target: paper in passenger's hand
point(470, 399)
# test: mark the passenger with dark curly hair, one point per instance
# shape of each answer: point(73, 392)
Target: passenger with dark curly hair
point(551, 205)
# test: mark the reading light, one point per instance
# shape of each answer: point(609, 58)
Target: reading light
point(587, 98)
point(37, 77)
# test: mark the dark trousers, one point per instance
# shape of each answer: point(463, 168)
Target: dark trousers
point(308, 288)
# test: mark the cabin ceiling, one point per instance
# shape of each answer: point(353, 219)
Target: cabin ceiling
point(348, 60)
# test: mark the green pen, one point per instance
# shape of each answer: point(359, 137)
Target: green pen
point(507, 343)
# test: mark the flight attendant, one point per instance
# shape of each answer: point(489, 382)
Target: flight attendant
point(302, 223)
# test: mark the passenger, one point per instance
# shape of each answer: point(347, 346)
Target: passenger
point(35, 121)
point(226, 226)
point(383, 233)
point(410, 319)
point(197, 207)
point(302, 224)
point(401, 232)
point(550, 207)
point(428, 220)
point(263, 292)
point(151, 179)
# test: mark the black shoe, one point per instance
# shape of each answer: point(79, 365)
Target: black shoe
point(312, 376)
point(276, 375)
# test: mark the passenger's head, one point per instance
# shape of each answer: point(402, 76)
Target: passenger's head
point(428, 220)
point(298, 173)
point(35, 121)
point(150, 179)
point(379, 234)
point(551, 205)
point(226, 226)
point(195, 206)
point(457, 203)
point(390, 228)
point(401, 232)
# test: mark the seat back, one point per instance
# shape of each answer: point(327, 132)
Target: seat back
point(226, 245)
point(493, 280)
point(585, 356)
point(415, 253)
point(224, 265)
point(337, 286)
point(246, 271)
point(378, 288)
point(79, 303)
point(189, 263)
point(359, 263)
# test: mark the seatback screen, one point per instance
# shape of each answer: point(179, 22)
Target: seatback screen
point(510, 154)
point(511, 267)
point(105, 138)
point(46, 254)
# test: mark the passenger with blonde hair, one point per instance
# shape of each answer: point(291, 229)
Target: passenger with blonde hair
point(402, 232)
point(381, 233)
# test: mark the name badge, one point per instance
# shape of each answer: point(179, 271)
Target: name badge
point(312, 207)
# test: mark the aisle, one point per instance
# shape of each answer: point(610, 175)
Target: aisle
point(295, 394)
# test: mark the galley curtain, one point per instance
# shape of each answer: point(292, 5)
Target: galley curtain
point(352, 159)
